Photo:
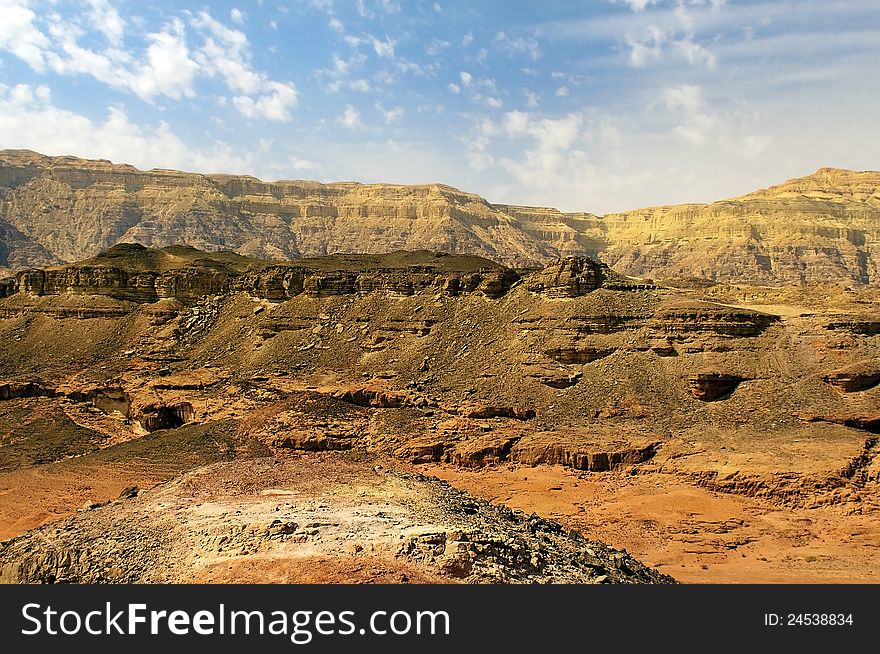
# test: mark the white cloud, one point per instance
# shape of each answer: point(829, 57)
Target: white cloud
point(436, 46)
point(562, 92)
point(336, 25)
point(532, 99)
point(455, 89)
point(687, 100)
point(515, 123)
point(321, 5)
point(519, 44)
point(405, 66)
point(647, 45)
point(351, 118)
point(105, 17)
point(652, 42)
point(361, 85)
point(551, 158)
point(695, 54)
point(467, 39)
point(700, 125)
point(276, 103)
point(226, 54)
point(168, 67)
point(341, 70)
point(28, 119)
point(389, 6)
point(479, 159)
point(384, 49)
point(638, 5)
point(169, 70)
point(236, 16)
point(390, 116)
point(465, 77)
point(20, 36)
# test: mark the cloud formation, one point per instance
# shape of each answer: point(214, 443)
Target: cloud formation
point(169, 66)
point(590, 106)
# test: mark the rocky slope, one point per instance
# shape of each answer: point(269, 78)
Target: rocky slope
point(824, 227)
point(283, 520)
point(139, 364)
point(820, 228)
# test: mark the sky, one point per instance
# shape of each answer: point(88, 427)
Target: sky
point(594, 106)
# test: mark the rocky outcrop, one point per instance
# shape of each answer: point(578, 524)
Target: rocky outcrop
point(578, 353)
point(709, 386)
point(334, 510)
point(570, 277)
point(869, 422)
point(854, 378)
point(15, 390)
point(683, 319)
point(134, 273)
point(489, 449)
point(860, 325)
point(556, 378)
point(368, 397)
point(819, 228)
point(312, 441)
point(107, 399)
point(580, 452)
point(156, 416)
point(17, 251)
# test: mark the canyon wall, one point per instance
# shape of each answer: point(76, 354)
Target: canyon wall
point(820, 228)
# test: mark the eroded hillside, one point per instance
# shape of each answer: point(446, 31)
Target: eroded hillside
point(821, 228)
point(146, 363)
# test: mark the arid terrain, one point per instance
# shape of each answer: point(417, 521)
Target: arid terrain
point(173, 414)
point(823, 228)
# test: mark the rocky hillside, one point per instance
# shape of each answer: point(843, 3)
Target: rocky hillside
point(702, 428)
point(824, 227)
point(820, 228)
point(279, 520)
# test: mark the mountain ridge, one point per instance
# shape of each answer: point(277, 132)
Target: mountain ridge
point(823, 227)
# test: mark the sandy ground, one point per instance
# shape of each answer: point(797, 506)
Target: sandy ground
point(319, 518)
point(31, 497)
point(695, 535)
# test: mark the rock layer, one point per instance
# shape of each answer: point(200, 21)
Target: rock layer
point(820, 228)
point(135, 273)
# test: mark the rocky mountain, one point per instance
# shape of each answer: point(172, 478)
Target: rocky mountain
point(717, 431)
point(823, 227)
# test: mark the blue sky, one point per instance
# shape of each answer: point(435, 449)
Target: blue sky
point(585, 106)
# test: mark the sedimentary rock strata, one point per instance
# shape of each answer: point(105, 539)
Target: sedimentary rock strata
point(819, 228)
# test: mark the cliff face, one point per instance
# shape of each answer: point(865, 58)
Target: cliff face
point(824, 227)
point(134, 273)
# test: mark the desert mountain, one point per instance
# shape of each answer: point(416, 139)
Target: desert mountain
point(823, 227)
point(720, 432)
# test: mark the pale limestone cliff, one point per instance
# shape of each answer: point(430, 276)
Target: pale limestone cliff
point(824, 227)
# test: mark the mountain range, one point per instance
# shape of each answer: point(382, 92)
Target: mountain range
point(822, 228)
